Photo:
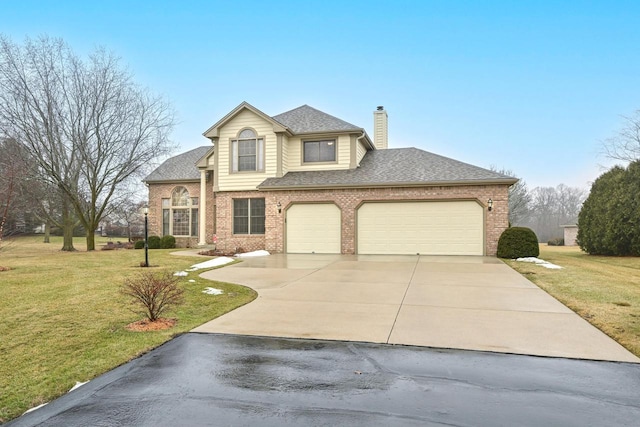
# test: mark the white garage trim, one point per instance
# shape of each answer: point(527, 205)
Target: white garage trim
point(313, 228)
point(421, 227)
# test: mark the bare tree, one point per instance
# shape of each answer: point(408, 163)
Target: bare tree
point(552, 207)
point(14, 180)
point(89, 126)
point(625, 145)
point(519, 198)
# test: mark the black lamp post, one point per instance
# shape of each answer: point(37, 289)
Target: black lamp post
point(146, 237)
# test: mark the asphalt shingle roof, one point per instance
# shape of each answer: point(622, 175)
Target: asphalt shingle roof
point(392, 167)
point(307, 119)
point(179, 168)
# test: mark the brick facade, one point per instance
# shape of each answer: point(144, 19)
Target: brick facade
point(348, 200)
point(157, 192)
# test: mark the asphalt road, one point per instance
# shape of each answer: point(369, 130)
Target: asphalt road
point(220, 380)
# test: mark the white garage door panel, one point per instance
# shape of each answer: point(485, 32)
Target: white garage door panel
point(427, 228)
point(313, 228)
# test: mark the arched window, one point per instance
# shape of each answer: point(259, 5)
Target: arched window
point(247, 152)
point(180, 214)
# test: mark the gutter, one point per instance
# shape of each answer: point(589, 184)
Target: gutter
point(389, 185)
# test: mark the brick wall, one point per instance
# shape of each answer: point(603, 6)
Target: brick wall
point(348, 200)
point(157, 192)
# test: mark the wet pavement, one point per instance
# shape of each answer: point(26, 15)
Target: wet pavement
point(462, 302)
point(214, 380)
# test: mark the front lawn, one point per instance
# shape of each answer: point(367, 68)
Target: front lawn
point(62, 318)
point(603, 290)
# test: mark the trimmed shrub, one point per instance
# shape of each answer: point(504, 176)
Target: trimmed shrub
point(154, 242)
point(139, 244)
point(557, 241)
point(151, 294)
point(168, 242)
point(518, 242)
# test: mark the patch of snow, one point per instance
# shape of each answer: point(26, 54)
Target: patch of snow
point(539, 262)
point(180, 273)
point(192, 281)
point(78, 384)
point(34, 408)
point(252, 254)
point(215, 262)
point(212, 291)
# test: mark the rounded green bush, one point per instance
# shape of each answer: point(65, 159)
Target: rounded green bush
point(154, 242)
point(518, 242)
point(139, 244)
point(168, 242)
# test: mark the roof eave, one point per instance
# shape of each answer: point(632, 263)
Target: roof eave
point(171, 181)
point(392, 184)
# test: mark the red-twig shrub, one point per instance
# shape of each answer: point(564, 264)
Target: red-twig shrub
point(151, 294)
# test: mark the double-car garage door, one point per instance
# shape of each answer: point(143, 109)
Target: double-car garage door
point(426, 228)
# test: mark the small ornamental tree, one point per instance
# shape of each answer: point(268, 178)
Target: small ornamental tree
point(152, 294)
point(518, 242)
point(609, 221)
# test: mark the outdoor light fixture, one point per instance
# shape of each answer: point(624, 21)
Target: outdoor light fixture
point(146, 236)
point(279, 206)
point(490, 204)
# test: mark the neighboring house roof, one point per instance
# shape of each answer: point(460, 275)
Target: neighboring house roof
point(179, 168)
point(391, 167)
point(307, 119)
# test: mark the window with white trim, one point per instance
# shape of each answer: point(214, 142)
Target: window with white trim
point(180, 214)
point(319, 151)
point(247, 152)
point(248, 216)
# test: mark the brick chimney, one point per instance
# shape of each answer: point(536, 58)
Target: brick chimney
point(380, 135)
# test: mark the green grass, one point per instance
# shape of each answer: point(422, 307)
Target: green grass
point(603, 290)
point(62, 317)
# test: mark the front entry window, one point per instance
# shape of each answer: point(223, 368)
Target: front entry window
point(180, 214)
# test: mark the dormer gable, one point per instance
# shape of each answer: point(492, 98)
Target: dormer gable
point(214, 131)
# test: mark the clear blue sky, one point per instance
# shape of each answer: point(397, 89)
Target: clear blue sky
point(529, 87)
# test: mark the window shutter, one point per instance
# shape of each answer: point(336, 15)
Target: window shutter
point(260, 155)
point(234, 156)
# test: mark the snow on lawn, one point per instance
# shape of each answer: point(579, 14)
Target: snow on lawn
point(252, 254)
point(215, 262)
point(539, 262)
point(212, 291)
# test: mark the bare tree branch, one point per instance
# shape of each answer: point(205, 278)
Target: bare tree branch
point(89, 126)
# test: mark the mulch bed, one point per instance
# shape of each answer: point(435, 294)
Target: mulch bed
point(145, 325)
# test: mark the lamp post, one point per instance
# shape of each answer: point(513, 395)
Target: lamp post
point(146, 236)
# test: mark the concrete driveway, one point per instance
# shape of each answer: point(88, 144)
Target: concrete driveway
point(474, 303)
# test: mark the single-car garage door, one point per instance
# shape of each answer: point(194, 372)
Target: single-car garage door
point(426, 228)
point(313, 228)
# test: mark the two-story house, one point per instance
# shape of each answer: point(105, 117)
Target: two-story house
point(307, 182)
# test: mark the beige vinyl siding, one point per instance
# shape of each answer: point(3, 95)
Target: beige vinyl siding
point(285, 154)
point(360, 152)
point(245, 180)
point(425, 228)
point(343, 151)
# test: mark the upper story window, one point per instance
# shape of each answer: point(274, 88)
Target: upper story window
point(247, 152)
point(319, 151)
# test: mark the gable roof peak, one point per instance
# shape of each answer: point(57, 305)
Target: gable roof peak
point(306, 119)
